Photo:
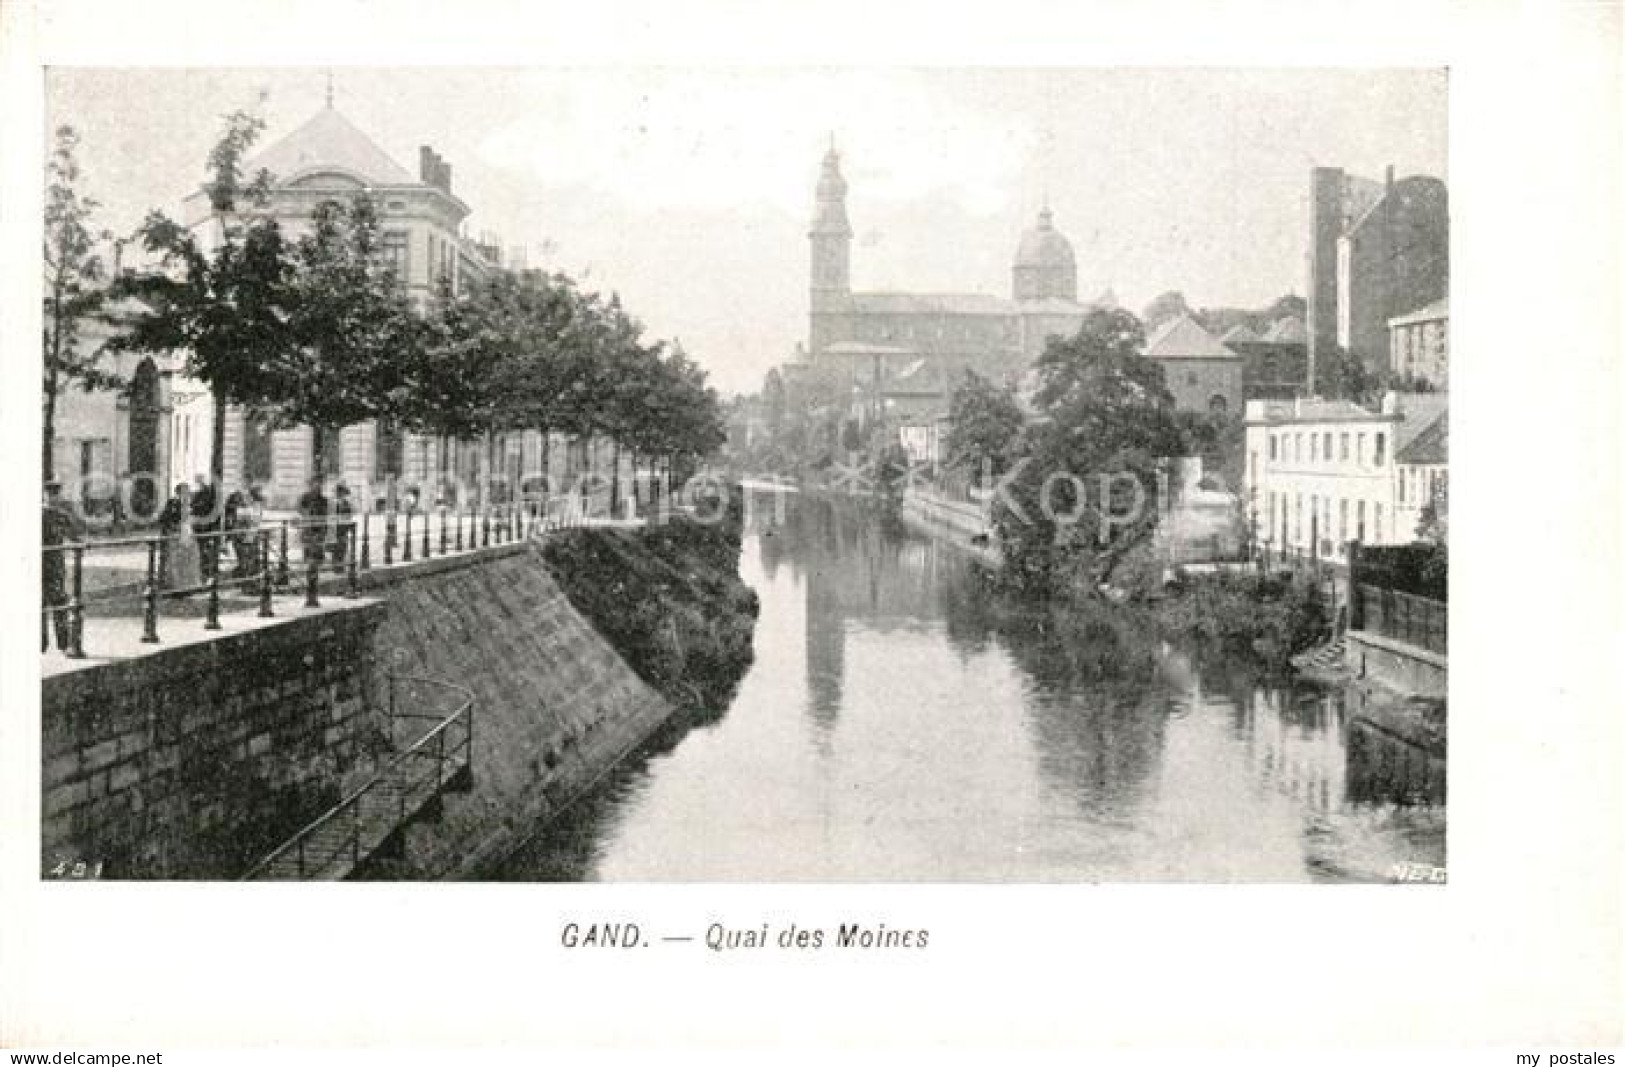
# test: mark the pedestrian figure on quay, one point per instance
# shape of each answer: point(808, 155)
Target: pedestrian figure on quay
point(185, 569)
point(58, 526)
point(343, 515)
point(206, 524)
point(121, 504)
point(169, 524)
point(237, 521)
point(313, 511)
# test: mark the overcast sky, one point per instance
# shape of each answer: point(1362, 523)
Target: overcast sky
point(689, 190)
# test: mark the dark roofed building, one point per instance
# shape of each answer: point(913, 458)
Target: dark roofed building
point(1275, 365)
point(1202, 374)
point(1377, 249)
point(1239, 334)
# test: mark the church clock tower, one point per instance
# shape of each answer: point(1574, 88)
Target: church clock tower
point(831, 238)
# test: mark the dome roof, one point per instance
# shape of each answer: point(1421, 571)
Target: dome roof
point(329, 141)
point(1044, 246)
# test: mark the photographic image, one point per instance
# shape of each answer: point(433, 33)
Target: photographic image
point(759, 475)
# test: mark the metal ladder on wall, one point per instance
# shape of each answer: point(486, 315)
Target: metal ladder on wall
point(336, 843)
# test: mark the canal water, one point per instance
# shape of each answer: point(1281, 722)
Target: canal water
point(901, 722)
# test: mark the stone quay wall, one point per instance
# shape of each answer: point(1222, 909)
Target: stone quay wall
point(964, 523)
point(556, 706)
point(191, 761)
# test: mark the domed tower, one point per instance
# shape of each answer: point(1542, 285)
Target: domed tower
point(831, 237)
point(1045, 267)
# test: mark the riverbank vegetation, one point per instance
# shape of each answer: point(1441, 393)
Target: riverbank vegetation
point(1270, 617)
point(1084, 485)
point(669, 598)
point(1078, 515)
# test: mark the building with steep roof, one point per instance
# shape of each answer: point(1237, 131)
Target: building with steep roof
point(1287, 330)
point(421, 230)
point(1239, 334)
point(1201, 373)
point(873, 336)
point(330, 158)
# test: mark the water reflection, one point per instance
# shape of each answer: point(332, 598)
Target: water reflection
point(903, 722)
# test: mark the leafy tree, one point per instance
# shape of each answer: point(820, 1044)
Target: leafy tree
point(1100, 371)
point(983, 423)
point(1289, 306)
point(534, 352)
point(1169, 305)
point(450, 393)
point(226, 307)
point(1108, 419)
point(698, 429)
point(75, 289)
point(1340, 375)
point(355, 335)
point(774, 401)
point(1219, 439)
point(1433, 525)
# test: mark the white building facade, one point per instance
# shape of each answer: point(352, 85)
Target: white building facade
point(1419, 345)
point(1323, 473)
point(421, 220)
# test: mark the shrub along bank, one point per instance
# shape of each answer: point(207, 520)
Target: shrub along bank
point(1271, 617)
point(669, 598)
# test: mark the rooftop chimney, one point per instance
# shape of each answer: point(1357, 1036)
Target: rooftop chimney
point(433, 170)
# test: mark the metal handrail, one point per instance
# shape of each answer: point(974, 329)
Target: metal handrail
point(408, 534)
point(351, 804)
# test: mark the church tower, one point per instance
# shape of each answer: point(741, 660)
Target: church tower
point(1045, 268)
point(831, 238)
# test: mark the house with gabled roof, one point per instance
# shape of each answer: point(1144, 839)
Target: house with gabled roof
point(422, 235)
point(1202, 373)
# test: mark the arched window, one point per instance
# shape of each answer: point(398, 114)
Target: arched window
point(1217, 404)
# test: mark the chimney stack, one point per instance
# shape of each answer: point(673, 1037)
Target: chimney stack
point(433, 170)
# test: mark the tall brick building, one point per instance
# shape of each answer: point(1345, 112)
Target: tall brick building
point(421, 220)
point(1377, 250)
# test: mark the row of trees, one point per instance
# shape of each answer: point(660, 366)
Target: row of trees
point(318, 330)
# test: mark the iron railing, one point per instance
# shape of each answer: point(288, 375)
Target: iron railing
point(264, 563)
point(335, 844)
point(1404, 617)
